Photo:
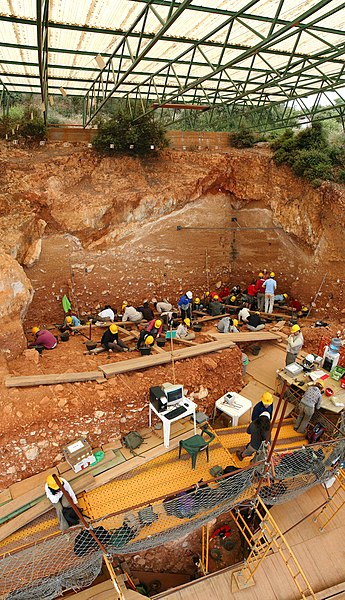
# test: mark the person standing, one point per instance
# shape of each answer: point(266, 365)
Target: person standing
point(258, 430)
point(260, 292)
point(65, 516)
point(310, 401)
point(185, 305)
point(265, 405)
point(270, 286)
point(295, 343)
point(111, 341)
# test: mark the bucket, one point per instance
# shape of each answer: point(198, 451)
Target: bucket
point(91, 345)
point(145, 351)
point(160, 342)
point(64, 337)
point(255, 350)
point(197, 327)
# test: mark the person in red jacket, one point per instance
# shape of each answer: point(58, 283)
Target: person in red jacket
point(260, 292)
point(43, 339)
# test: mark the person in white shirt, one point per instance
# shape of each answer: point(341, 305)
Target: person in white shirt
point(107, 314)
point(244, 313)
point(227, 325)
point(295, 343)
point(56, 497)
point(270, 286)
point(132, 314)
point(182, 331)
point(162, 306)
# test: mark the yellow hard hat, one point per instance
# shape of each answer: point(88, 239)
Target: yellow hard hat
point(304, 309)
point(285, 296)
point(235, 322)
point(52, 483)
point(261, 274)
point(187, 321)
point(69, 320)
point(113, 328)
point(124, 303)
point(35, 330)
point(158, 323)
point(197, 300)
point(233, 298)
point(149, 340)
point(207, 293)
point(257, 312)
point(295, 328)
point(272, 274)
point(267, 398)
point(215, 297)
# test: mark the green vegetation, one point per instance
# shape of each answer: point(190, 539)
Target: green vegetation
point(243, 138)
point(123, 135)
point(23, 122)
point(310, 154)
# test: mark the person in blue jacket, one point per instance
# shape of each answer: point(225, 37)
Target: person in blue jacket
point(185, 305)
point(265, 405)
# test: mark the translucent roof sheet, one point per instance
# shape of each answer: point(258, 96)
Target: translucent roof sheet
point(176, 51)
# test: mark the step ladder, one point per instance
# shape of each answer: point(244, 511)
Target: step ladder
point(268, 539)
point(335, 501)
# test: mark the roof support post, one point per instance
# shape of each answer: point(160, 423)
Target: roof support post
point(42, 7)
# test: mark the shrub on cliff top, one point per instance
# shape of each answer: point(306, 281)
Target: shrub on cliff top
point(310, 155)
point(25, 123)
point(243, 138)
point(123, 135)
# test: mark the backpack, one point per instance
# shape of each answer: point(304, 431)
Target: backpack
point(315, 434)
point(132, 440)
point(85, 543)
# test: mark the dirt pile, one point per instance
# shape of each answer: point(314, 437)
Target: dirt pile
point(112, 225)
point(38, 421)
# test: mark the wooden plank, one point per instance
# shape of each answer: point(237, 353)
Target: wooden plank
point(5, 496)
point(51, 379)
point(250, 336)
point(145, 362)
point(26, 485)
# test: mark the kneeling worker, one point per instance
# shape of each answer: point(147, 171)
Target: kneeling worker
point(254, 322)
point(44, 339)
point(227, 325)
point(111, 341)
point(146, 340)
point(154, 329)
point(182, 331)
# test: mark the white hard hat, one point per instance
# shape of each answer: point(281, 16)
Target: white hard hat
point(265, 414)
point(310, 358)
point(189, 295)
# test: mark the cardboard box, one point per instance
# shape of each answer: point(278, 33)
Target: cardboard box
point(79, 454)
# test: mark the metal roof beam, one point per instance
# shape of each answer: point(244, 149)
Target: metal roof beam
point(42, 8)
point(5, 99)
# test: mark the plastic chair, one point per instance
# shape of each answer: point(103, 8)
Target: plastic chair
point(196, 444)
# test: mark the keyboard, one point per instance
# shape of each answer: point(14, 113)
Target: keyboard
point(176, 412)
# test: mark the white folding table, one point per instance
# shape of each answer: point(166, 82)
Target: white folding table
point(190, 411)
point(239, 406)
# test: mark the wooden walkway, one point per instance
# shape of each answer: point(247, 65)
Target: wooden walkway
point(322, 556)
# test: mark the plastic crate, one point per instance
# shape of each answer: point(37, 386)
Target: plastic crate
point(337, 373)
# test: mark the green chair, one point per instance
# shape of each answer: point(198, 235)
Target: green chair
point(196, 444)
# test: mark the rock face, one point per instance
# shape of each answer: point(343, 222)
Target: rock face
point(122, 218)
point(15, 296)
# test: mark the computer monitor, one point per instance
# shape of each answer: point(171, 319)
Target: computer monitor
point(174, 393)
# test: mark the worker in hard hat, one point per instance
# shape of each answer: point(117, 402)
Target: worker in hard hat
point(270, 286)
point(130, 313)
point(265, 404)
point(280, 299)
point(254, 322)
point(183, 332)
point(310, 401)
point(154, 328)
point(111, 341)
point(185, 305)
point(162, 306)
point(44, 339)
point(295, 343)
point(197, 304)
point(216, 307)
point(66, 516)
point(69, 322)
point(259, 432)
point(146, 340)
point(227, 325)
point(244, 313)
point(260, 292)
point(107, 314)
